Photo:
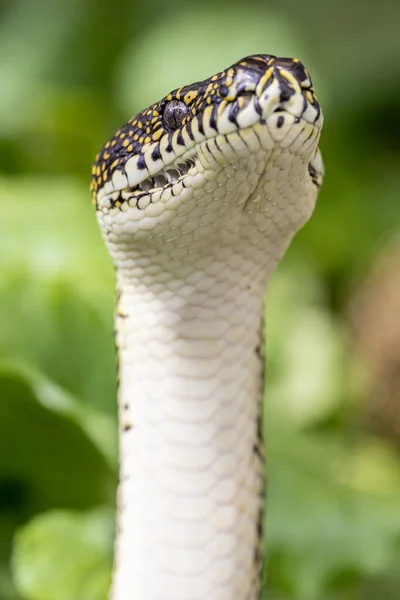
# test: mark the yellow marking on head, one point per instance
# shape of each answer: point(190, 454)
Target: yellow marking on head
point(291, 78)
point(221, 107)
point(209, 88)
point(157, 134)
point(190, 96)
point(207, 113)
point(310, 96)
point(264, 79)
point(229, 77)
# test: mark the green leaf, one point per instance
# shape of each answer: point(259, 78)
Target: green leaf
point(53, 452)
point(305, 349)
point(58, 285)
point(322, 520)
point(64, 555)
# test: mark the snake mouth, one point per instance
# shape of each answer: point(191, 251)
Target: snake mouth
point(181, 171)
point(164, 178)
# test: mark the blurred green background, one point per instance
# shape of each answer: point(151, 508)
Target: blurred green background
point(70, 73)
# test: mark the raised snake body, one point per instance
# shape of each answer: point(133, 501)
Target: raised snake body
point(198, 198)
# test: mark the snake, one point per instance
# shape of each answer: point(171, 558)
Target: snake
point(198, 197)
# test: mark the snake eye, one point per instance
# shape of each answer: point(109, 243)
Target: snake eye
point(174, 113)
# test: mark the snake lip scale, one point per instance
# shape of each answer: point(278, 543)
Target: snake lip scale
point(198, 197)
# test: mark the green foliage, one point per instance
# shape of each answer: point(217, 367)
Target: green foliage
point(75, 557)
point(71, 73)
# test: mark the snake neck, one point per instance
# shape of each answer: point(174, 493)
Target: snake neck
point(189, 398)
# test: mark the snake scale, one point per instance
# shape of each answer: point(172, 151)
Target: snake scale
point(197, 198)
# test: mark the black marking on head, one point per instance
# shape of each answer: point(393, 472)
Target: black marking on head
point(189, 131)
point(280, 121)
point(179, 139)
point(156, 154)
point(213, 117)
point(313, 175)
point(257, 106)
point(141, 163)
point(286, 89)
point(318, 109)
point(305, 104)
point(299, 72)
point(233, 112)
point(201, 128)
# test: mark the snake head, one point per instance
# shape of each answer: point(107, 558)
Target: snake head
point(261, 114)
